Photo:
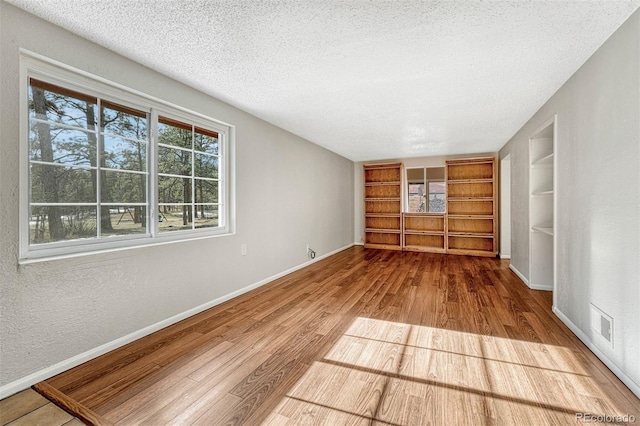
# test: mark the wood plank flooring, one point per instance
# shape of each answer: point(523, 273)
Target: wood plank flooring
point(363, 337)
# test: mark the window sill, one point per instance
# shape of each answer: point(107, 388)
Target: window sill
point(50, 256)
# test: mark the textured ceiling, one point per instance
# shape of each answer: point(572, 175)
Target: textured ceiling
point(366, 79)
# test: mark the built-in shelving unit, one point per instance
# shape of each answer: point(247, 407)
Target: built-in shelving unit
point(423, 232)
point(383, 205)
point(541, 208)
point(467, 227)
point(471, 227)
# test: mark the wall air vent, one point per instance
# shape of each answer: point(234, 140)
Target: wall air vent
point(602, 325)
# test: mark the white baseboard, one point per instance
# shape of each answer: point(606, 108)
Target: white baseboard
point(628, 381)
point(505, 256)
point(544, 287)
point(46, 373)
point(358, 243)
point(519, 274)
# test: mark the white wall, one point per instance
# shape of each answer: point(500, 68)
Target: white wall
point(598, 194)
point(290, 193)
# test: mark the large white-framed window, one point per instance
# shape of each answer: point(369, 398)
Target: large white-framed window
point(105, 167)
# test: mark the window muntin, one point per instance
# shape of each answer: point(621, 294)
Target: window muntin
point(104, 164)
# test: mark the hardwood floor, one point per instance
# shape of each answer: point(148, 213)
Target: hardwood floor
point(363, 337)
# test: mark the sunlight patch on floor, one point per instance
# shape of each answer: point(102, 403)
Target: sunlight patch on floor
point(401, 374)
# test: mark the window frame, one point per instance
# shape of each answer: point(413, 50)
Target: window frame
point(425, 181)
point(36, 66)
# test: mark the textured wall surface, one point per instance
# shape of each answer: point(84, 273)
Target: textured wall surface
point(598, 193)
point(290, 193)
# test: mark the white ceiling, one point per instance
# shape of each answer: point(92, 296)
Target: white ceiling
point(366, 79)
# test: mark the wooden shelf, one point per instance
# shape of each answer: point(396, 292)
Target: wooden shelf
point(463, 216)
point(460, 181)
point(383, 230)
point(382, 183)
point(382, 206)
point(383, 195)
point(469, 234)
point(466, 252)
point(471, 227)
point(424, 242)
point(383, 246)
point(470, 199)
point(424, 249)
point(473, 169)
point(424, 214)
point(457, 242)
point(424, 232)
point(389, 239)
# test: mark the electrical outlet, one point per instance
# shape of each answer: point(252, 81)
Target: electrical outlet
point(310, 253)
point(243, 249)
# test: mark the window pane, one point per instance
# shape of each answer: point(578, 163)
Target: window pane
point(206, 143)
point(54, 144)
point(416, 198)
point(206, 216)
point(437, 203)
point(174, 135)
point(436, 187)
point(174, 190)
point(122, 121)
point(437, 197)
point(174, 161)
point(55, 184)
point(122, 187)
point(126, 220)
point(206, 191)
point(175, 218)
point(206, 166)
point(56, 223)
point(124, 154)
point(52, 103)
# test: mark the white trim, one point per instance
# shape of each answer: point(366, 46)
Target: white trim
point(540, 287)
point(628, 381)
point(519, 274)
point(112, 88)
point(554, 296)
point(38, 66)
point(358, 243)
point(504, 220)
point(44, 374)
